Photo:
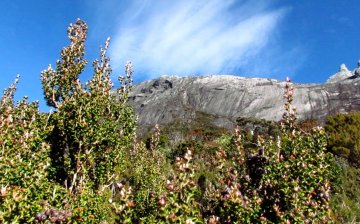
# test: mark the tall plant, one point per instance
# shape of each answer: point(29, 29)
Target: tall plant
point(93, 126)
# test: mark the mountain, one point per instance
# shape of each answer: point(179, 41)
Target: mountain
point(225, 98)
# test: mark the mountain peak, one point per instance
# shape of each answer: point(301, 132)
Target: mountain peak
point(343, 74)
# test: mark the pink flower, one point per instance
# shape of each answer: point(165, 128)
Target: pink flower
point(3, 191)
point(162, 201)
point(171, 216)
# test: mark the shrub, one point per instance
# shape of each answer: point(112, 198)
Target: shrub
point(285, 181)
point(346, 199)
point(344, 142)
point(93, 128)
point(344, 136)
point(74, 158)
point(23, 159)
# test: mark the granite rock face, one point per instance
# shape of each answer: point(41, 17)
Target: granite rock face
point(226, 98)
point(343, 74)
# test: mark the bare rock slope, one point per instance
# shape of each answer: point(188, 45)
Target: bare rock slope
point(225, 98)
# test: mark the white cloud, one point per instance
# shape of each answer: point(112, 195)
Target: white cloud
point(186, 37)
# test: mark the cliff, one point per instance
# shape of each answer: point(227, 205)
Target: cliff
point(226, 98)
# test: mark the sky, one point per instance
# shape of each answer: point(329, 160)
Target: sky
point(306, 40)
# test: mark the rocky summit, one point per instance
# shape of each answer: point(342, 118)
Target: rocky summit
point(225, 98)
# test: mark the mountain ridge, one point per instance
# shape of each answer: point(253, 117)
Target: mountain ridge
point(224, 97)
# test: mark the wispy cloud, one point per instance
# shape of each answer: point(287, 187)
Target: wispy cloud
point(186, 37)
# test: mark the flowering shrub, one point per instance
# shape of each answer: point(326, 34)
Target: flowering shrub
point(287, 179)
point(93, 128)
point(64, 166)
point(82, 163)
point(23, 159)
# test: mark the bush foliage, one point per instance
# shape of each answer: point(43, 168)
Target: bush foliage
point(344, 136)
point(82, 163)
point(344, 141)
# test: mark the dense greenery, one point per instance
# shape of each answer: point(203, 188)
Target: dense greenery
point(82, 163)
point(345, 200)
point(344, 136)
point(344, 141)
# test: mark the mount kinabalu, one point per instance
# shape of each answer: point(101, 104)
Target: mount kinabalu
point(225, 98)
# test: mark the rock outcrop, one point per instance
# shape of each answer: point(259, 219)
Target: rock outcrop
point(357, 72)
point(342, 75)
point(226, 98)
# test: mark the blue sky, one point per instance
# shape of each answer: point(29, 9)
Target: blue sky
point(306, 40)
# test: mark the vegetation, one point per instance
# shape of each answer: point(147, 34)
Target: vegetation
point(83, 164)
point(344, 136)
point(345, 200)
point(344, 142)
